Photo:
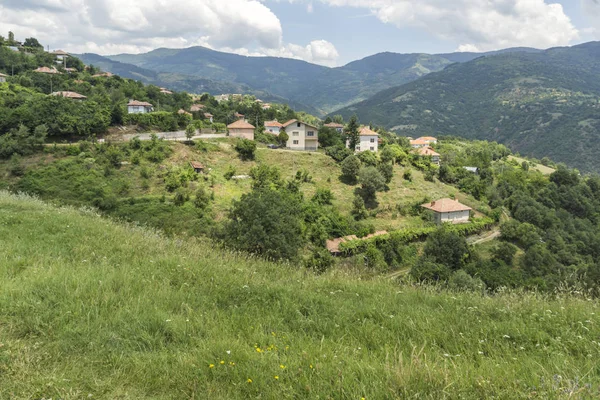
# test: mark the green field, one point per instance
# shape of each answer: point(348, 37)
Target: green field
point(91, 308)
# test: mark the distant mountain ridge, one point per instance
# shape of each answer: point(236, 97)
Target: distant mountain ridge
point(541, 103)
point(326, 89)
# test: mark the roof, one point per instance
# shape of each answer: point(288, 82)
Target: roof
point(71, 69)
point(291, 121)
point(427, 151)
point(418, 142)
point(445, 206)
point(273, 123)
point(240, 124)
point(333, 125)
point(46, 70)
point(135, 103)
point(103, 75)
point(428, 138)
point(165, 91)
point(237, 114)
point(208, 115)
point(196, 107)
point(69, 95)
point(182, 111)
point(366, 131)
point(1, 74)
point(60, 53)
point(196, 165)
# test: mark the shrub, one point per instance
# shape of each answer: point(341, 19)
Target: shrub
point(181, 196)
point(246, 149)
point(359, 211)
point(371, 182)
point(202, 199)
point(427, 270)
point(350, 169)
point(323, 197)
point(320, 261)
point(339, 152)
point(374, 259)
point(463, 282)
point(387, 171)
point(368, 158)
point(407, 175)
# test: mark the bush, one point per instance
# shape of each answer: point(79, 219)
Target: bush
point(461, 281)
point(323, 197)
point(427, 270)
point(320, 261)
point(387, 171)
point(407, 175)
point(230, 173)
point(339, 153)
point(246, 149)
point(374, 259)
point(181, 196)
point(368, 158)
point(371, 182)
point(202, 199)
point(359, 211)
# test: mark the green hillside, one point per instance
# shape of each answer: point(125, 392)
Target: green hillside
point(91, 308)
point(540, 104)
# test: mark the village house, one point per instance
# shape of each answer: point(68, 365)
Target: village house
point(139, 107)
point(183, 112)
point(103, 75)
point(266, 106)
point(222, 97)
point(302, 136)
point(69, 95)
point(165, 91)
point(273, 127)
point(46, 70)
point(418, 143)
point(241, 129)
point(428, 139)
point(369, 140)
point(238, 115)
point(71, 70)
point(448, 210)
point(429, 152)
point(197, 107)
point(338, 127)
point(3, 78)
point(209, 117)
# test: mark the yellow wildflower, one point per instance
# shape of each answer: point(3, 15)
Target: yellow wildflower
point(276, 376)
point(211, 365)
point(310, 366)
point(249, 380)
point(222, 362)
point(258, 350)
point(282, 366)
point(231, 363)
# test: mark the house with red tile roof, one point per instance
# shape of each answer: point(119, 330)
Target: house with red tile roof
point(139, 107)
point(46, 70)
point(69, 95)
point(448, 210)
point(302, 136)
point(337, 127)
point(273, 127)
point(429, 152)
point(209, 117)
point(241, 129)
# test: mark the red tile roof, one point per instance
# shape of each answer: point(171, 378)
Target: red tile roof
point(46, 70)
point(70, 95)
point(427, 151)
point(196, 107)
point(427, 138)
point(446, 206)
point(165, 91)
point(183, 112)
point(240, 124)
point(273, 123)
point(418, 142)
point(208, 115)
point(365, 131)
point(333, 125)
point(60, 53)
point(135, 103)
point(291, 121)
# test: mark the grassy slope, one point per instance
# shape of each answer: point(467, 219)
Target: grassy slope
point(324, 170)
point(88, 306)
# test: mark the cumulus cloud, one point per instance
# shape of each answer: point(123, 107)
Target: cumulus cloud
point(133, 26)
point(478, 24)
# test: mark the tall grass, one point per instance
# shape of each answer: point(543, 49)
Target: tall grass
point(91, 307)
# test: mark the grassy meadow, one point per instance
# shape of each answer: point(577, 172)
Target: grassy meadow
point(92, 308)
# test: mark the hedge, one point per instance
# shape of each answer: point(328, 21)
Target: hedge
point(411, 235)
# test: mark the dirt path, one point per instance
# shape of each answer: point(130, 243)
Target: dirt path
point(488, 237)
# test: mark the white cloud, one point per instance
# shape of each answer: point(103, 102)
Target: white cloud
point(478, 24)
point(133, 26)
point(310, 8)
point(318, 52)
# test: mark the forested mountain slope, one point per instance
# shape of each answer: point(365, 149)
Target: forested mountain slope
point(541, 104)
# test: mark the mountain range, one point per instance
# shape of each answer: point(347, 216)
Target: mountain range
point(314, 88)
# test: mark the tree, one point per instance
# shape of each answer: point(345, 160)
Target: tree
point(368, 158)
point(338, 119)
point(505, 252)
point(352, 133)
point(350, 169)
point(33, 43)
point(448, 248)
point(266, 222)
point(266, 177)
point(283, 138)
point(427, 269)
point(22, 141)
point(323, 197)
point(246, 149)
point(329, 137)
point(392, 153)
point(359, 211)
point(11, 39)
point(371, 182)
point(190, 131)
point(387, 171)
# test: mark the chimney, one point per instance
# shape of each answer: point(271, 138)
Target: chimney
point(432, 203)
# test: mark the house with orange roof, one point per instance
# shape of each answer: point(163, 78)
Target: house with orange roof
point(139, 107)
point(369, 140)
point(209, 117)
point(69, 95)
point(103, 75)
point(418, 143)
point(302, 136)
point(197, 107)
point(449, 211)
point(338, 127)
point(46, 70)
point(241, 129)
point(429, 152)
point(183, 112)
point(428, 139)
point(273, 127)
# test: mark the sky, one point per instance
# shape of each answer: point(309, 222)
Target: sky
point(326, 32)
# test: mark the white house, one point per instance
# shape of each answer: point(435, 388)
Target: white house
point(338, 127)
point(429, 152)
point(273, 127)
point(302, 136)
point(448, 210)
point(369, 140)
point(139, 107)
point(428, 139)
point(3, 78)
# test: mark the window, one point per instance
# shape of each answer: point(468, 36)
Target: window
point(372, 148)
point(296, 142)
point(357, 148)
point(299, 124)
point(310, 133)
point(372, 140)
point(295, 133)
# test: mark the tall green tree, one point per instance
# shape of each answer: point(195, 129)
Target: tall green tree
point(352, 132)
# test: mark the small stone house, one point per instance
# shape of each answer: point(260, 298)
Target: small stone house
point(198, 167)
point(3, 78)
point(139, 107)
point(69, 95)
point(273, 127)
point(449, 211)
point(241, 129)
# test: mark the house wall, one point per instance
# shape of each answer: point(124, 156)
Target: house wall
point(2, 79)
point(244, 133)
point(299, 138)
point(453, 217)
point(137, 110)
point(370, 143)
point(272, 129)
